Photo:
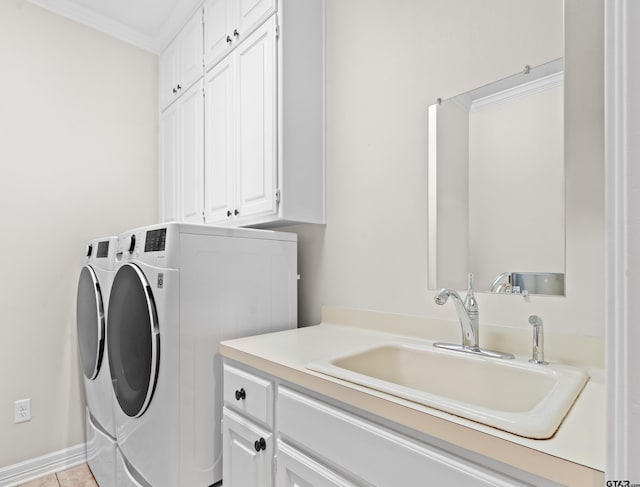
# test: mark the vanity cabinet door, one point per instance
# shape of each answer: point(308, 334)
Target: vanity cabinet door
point(247, 459)
point(373, 453)
point(298, 470)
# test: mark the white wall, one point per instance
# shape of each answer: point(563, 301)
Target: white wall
point(386, 63)
point(78, 155)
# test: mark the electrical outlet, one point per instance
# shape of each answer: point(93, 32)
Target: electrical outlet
point(22, 411)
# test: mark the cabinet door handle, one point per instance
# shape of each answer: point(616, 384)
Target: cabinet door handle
point(175, 91)
point(179, 87)
point(229, 213)
point(241, 394)
point(236, 33)
point(260, 444)
point(236, 212)
point(228, 39)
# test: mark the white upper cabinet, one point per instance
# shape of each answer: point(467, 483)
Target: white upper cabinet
point(182, 158)
point(240, 166)
point(181, 62)
point(228, 22)
point(169, 176)
point(264, 115)
point(220, 155)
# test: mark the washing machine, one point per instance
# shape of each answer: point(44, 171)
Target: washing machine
point(178, 291)
point(94, 285)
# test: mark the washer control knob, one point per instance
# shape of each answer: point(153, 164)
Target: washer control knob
point(132, 243)
point(89, 250)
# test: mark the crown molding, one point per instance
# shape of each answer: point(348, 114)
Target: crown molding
point(98, 22)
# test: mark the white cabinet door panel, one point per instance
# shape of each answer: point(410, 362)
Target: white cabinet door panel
point(168, 75)
point(190, 45)
point(256, 108)
point(169, 173)
point(243, 465)
point(298, 470)
point(252, 13)
point(219, 137)
point(191, 118)
point(372, 453)
point(218, 21)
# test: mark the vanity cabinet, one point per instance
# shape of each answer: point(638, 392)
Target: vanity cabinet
point(228, 22)
point(181, 61)
point(182, 157)
point(312, 442)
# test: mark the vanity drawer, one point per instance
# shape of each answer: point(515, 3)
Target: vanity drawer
point(371, 452)
point(248, 394)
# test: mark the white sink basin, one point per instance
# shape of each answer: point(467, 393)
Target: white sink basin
point(512, 395)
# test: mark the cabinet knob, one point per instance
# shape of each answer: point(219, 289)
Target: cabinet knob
point(236, 33)
point(175, 91)
point(228, 39)
point(179, 87)
point(260, 444)
point(236, 212)
point(241, 394)
point(229, 213)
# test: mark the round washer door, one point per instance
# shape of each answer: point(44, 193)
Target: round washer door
point(90, 322)
point(133, 340)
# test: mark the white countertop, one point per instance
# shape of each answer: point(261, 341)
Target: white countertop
point(578, 443)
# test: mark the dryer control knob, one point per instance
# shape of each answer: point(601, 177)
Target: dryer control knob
point(132, 243)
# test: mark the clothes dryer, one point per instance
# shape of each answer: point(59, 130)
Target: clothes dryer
point(179, 290)
point(94, 285)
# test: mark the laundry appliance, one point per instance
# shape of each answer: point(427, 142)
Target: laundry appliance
point(94, 285)
point(179, 290)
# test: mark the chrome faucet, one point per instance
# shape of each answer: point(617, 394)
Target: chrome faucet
point(468, 313)
point(469, 317)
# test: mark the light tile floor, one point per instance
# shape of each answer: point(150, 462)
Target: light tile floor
point(79, 476)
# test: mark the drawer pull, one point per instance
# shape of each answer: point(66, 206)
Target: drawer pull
point(241, 394)
point(260, 444)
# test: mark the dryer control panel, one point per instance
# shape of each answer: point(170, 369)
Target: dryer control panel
point(155, 240)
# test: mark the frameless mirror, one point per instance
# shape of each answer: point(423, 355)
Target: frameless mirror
point(496, 185)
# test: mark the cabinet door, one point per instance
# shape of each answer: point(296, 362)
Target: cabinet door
point(191, 122)
point(256, 122)
point(190, 45)
point(298, 470)
point(168, 75)
point(219, 136)
point(218, 30)
point(250, 14)
point(244, 461)
point(169, 173)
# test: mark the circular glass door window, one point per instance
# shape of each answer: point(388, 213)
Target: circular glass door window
point(133, 340)
point(90, 322)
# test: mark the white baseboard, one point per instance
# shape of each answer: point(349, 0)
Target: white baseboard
point(45, 465)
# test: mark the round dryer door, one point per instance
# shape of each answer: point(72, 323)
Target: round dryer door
point(90, 322)
point(133, 340)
